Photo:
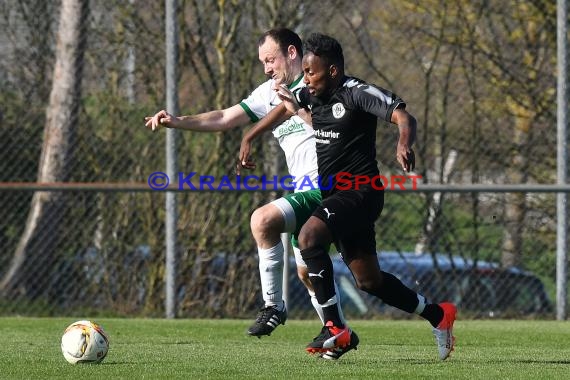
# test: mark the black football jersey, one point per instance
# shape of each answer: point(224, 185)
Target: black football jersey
point(345, 129)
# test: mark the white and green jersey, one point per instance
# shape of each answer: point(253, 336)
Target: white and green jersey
point(295, 137)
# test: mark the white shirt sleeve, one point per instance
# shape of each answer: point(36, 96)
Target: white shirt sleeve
point(261, 100)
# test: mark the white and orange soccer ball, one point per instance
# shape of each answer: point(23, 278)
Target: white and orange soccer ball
point(84, 342)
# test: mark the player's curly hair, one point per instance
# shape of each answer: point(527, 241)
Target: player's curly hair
point(325, 47)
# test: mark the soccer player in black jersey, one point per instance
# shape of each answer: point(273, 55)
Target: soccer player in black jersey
point(344, 113)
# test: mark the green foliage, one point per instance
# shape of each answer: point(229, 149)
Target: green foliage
point(21, 133)
point(456, 230)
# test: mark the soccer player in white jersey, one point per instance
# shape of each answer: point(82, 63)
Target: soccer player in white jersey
point(280, 52)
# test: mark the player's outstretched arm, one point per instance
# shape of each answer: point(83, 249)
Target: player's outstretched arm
point(213, 121)
point(407, 127)
point(277, 116)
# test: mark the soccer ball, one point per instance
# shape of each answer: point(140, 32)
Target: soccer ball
point(84, 342)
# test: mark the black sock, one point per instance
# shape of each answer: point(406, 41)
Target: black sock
point(395, 293)
point(433, 313)
point(330, 313)
point(321, 276)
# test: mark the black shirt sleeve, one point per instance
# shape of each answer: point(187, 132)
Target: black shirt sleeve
point(376, 100)
point(303, 97)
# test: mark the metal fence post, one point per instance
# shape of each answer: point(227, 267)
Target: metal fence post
point(562, 154)
point(171, 167)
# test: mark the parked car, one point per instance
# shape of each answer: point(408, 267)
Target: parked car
point(478, 288)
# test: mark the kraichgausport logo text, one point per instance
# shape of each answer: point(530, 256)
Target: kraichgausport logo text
point(342, 181)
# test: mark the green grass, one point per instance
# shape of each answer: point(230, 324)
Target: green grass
point(219, 349)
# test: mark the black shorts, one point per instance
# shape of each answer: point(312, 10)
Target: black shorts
point(350, 215)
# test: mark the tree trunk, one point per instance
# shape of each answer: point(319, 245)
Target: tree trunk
point(30, 272)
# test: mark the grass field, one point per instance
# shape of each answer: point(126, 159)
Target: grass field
point(219, 349)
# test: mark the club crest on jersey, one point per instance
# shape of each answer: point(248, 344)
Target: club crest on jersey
point(338, 110)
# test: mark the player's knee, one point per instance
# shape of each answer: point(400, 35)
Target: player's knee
point(314, 233)
point(309, 237)
point(261, 221)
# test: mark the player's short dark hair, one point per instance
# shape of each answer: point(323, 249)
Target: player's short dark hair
point(325, 47)
point(284, 38)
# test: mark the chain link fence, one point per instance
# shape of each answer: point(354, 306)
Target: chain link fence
point(109, 258)
point(482, 118)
